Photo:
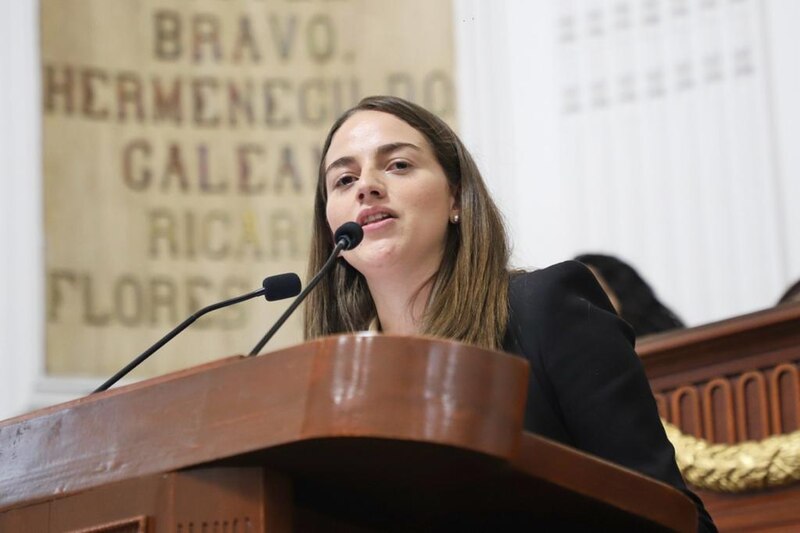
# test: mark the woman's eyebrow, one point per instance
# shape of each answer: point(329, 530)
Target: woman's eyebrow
point(386, 149)
point(341, 162)
point(380, 151)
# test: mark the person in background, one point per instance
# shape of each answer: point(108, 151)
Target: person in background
point(792, 294)
point(434, 261)
point(633, 299)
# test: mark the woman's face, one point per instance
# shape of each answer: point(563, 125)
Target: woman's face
point(383, 174)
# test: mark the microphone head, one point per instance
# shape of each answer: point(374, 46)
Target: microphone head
point(351, 233)
point(281, 286)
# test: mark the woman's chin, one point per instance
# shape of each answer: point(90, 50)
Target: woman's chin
point(369, 261)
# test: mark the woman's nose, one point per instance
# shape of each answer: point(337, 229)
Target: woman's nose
point(371, 186)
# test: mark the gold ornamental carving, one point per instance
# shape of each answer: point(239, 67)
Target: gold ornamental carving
point(744, 466)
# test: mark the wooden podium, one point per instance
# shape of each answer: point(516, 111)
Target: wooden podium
point(349, 433)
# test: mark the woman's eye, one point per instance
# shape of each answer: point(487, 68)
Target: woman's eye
point(347, 179)
point(399, 165)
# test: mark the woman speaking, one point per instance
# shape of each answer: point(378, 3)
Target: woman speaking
point(434, 261)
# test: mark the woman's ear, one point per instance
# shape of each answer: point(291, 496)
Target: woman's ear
point(455, 199)
point(455, 206)
point(455, 213)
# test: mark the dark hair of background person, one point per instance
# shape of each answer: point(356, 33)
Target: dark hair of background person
point(637, 301)
point(473, 273)
point(792, 294)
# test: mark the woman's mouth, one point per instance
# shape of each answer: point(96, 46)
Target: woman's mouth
point(373, 219)
point(377, 222)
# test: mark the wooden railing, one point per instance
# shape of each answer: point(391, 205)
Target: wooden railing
point(729, 382)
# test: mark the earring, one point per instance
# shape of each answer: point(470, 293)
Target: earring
point(456, 219)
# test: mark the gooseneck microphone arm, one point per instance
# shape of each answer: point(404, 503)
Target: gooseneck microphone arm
point(273, 288)
point(347, 237)
point(297, 301)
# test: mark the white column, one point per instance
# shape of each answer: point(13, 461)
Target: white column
point(21, 234)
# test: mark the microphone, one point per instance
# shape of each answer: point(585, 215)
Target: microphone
point(351, 233)
point(273, 288)
point(347, 237)
point(279, 287)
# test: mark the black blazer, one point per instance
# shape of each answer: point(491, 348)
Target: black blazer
point(587, 386)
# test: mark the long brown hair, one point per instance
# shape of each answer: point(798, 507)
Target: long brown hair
point(469, 296)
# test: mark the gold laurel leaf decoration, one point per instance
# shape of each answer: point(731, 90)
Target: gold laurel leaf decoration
point(739, 467)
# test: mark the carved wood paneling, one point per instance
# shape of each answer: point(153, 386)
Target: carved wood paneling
point(749, 406)
point(752, 411)
point(718, 411)
point(685, 408)
point(744, 371)
point(785, 398)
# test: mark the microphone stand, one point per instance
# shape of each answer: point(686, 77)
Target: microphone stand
point(273, 287)
point(344, 243)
